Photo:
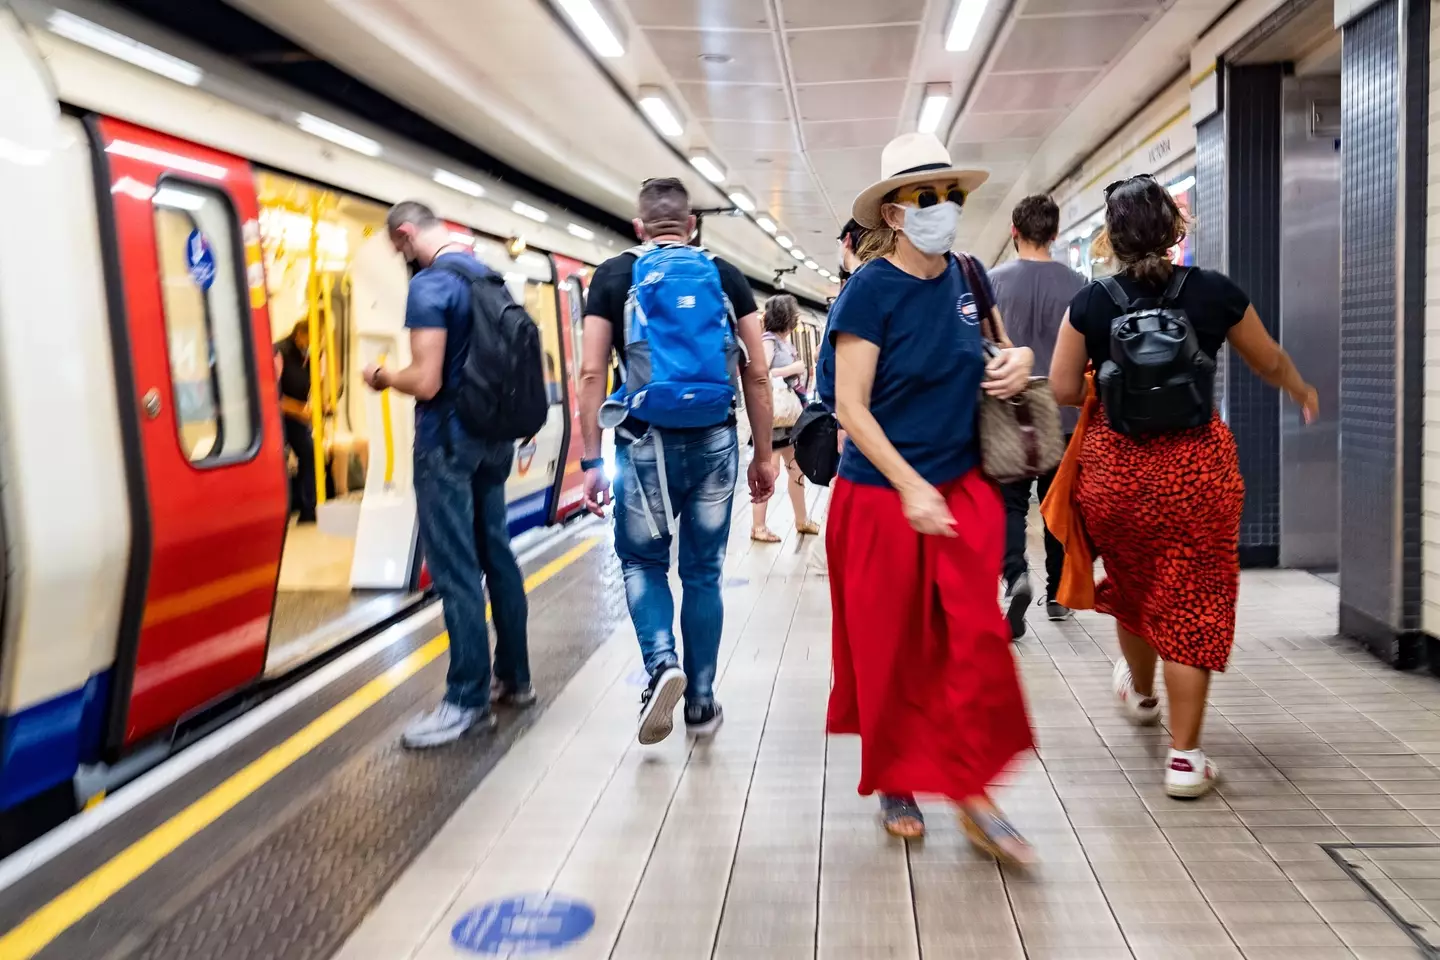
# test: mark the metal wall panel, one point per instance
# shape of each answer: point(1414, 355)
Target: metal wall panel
point(1310, 321)
point(1253, 116)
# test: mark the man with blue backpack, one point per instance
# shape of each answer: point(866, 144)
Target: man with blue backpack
point(682, 322)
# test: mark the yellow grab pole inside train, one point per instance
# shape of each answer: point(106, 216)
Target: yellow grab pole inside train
point(389, 430)
point(317, 413)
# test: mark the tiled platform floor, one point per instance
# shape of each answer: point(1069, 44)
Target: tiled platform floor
point(755, 846)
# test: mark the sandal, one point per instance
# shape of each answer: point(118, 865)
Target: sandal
point(990, 832)
point(764, 535)
point(901, 817)
point(808, 529)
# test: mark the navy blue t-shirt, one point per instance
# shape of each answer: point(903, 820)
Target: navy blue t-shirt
point(927, 380)
point(441, 299)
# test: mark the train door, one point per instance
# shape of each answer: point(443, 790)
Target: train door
point(570, 482)
point(198, 334)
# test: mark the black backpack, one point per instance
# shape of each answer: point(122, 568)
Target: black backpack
point(1157, 379)
point(816, 438)
point(501, 394)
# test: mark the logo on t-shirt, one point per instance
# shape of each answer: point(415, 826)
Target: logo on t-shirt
point(969, 312)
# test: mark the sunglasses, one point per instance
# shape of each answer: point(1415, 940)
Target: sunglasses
point(929, 196)
point(1120, 183)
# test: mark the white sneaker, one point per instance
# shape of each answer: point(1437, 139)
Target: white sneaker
point(1141, 711)
point(445, 724)
point(1190, 775)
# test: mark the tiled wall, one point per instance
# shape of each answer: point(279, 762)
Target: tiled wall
point(1209, 212)
point(1370, 574)
point(1430, 495)
point(1253, 101)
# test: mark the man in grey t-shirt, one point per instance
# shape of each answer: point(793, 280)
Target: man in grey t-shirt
point(1033, 292)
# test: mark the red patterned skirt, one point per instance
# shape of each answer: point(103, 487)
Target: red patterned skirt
point(1164, 515)
point(922, 661)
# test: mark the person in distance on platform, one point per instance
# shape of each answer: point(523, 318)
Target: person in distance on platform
point(782, 315)
point(459, 488)
point(1162, 507)
point(679, 478)
point(923, 670)
point(1033, 292)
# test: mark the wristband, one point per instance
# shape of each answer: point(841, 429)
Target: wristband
point(592, 464)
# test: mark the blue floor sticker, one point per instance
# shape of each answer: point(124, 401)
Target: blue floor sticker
point(535, 923)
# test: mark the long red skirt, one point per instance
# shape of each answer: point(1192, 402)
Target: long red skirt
point(922, 662)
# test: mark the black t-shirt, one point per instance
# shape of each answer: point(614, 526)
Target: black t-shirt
point(1212, 301)
point(610, 287)
point(294, 371)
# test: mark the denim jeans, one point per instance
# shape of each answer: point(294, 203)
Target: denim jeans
point(1017, 514)
point(700, 471)
point(460, 498)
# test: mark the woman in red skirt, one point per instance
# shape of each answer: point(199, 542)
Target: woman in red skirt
point(923, 669)
point(1163, 508)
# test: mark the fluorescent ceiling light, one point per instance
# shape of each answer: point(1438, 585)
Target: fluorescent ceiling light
point(785, 241)
point(169, 161)
point(180, 199)
point(766, 224)
point(834, 279)
point(932, 108)
point(742, 200)
point(594, 26)
point(525, 210)
point(812, 264)
point(964, 24)
point(447, 179)
point(121, 47)
point(337, 134)
point(798, 254)
point(575, 230)
point(1182, 185)
point(660, 111)
point(707, 166)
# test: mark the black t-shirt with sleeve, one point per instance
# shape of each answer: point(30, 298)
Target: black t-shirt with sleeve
point(1212, 301)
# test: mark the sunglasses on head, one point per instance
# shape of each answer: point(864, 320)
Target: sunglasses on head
point(929, 196)
point(1120, 183)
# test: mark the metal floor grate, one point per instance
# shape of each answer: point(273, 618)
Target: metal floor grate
point(1404, 879)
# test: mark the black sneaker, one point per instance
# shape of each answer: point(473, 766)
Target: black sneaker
point(1017, 597)
point(657, 704)
point(1057, 611)
point(704, 717)
point(507, 694)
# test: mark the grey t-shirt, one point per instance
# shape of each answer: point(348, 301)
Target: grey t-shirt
point(1033, 296)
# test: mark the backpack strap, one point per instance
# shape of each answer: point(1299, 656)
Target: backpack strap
point(971, 270)
point(1178, 275)
point(1117, 293)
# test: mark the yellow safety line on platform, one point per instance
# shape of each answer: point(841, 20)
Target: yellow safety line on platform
point(44, 925)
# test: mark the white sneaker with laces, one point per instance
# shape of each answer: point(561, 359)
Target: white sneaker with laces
point(1189, 774)
point(445, 724)
point(1141, 711)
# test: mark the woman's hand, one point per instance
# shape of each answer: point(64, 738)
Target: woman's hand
point(1308, 399)
point(1008, 373)
point(927, 511)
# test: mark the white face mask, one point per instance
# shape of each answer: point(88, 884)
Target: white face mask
point(932, 229)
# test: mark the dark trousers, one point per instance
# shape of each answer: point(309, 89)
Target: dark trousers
point(460, 498)
point(299, 439)
point(1017, 512)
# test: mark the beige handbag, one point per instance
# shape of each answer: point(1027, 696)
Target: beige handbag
point(1019, 437)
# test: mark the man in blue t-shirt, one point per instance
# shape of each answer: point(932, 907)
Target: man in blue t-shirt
point(459, 487)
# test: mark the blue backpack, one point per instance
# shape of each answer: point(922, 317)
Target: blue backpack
point(681, 350)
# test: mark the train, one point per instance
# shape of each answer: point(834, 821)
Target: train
point(164, 235)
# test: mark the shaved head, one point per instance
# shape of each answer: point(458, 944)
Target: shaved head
point(664, 208)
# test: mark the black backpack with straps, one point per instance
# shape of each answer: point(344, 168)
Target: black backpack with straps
point(501, 394)
point(1158, 379)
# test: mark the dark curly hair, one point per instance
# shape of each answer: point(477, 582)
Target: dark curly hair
point(1142, 223)
point(1036, 219)
point(782, 313)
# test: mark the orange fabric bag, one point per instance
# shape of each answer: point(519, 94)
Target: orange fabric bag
point(1062, 516)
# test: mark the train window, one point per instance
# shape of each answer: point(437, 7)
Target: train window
point(207, 319)
point(575, 297)
point(539, 300)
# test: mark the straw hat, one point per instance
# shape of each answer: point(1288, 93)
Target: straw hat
point(911, 158)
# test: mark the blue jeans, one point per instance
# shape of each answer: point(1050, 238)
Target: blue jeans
point(700, 467)
point(460, 498)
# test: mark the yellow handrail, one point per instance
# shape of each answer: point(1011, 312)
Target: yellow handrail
point(317, 413)
point(388, 428)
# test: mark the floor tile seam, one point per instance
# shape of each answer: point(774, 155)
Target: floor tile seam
point(754, 765)
point(515, 811)
point(1151, 815)
point(820, 845)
